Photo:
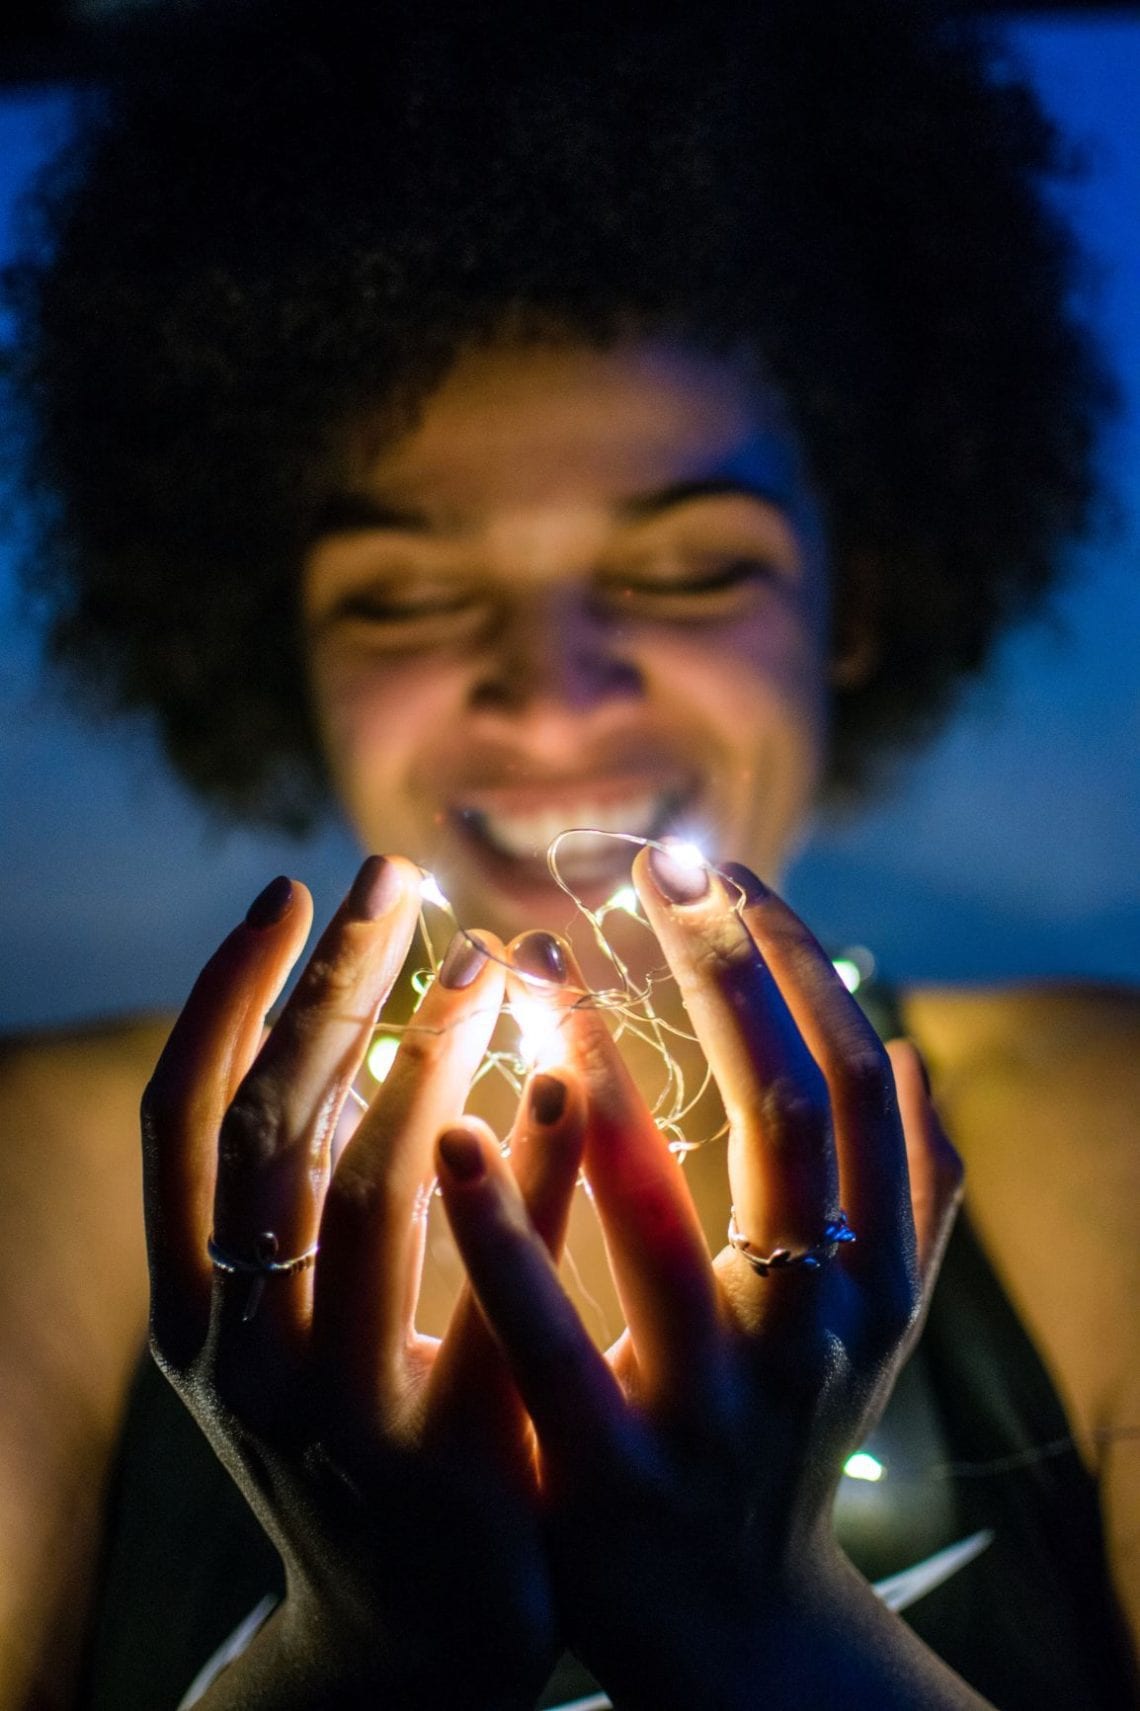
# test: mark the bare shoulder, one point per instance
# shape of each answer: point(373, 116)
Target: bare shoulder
point(72, 1320)
point(69, 1134)
point(1067, 1027)
point(70, 1201)
point(107, 1048)
point(1039, 1087)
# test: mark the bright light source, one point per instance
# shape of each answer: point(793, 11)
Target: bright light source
point(685, 855)
point(864, 1466)
point(430, 892)
point(848, 973)
point(381, 1055)
point(626, 899)
point(540, 1036)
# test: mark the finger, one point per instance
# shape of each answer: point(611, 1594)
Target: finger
point(935, 1167)
point(372, 1230)
point(566, 1385)
point(471, 1394)
point(210, 1048)
point(654, 1241)
point(276, 1132)
point(860, 1081)
point(781, 1157)
point(275, 1136)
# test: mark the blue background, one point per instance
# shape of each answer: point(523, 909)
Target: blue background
point(1009, 851)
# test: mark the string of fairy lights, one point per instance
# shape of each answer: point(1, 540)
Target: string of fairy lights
point(631, 1006)
point(628, 1002)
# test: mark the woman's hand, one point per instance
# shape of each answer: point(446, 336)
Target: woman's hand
point(688, 1477)
point(394, 1475)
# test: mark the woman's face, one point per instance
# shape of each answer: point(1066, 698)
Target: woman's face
point(587, 590)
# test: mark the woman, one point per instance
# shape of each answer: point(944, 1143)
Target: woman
point(521, 424)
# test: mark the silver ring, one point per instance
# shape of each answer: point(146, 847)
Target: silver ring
point(264, 1264)
point(836, 1231)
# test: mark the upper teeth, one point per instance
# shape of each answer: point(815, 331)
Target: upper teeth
point(532, 834)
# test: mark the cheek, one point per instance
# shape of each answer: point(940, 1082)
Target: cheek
point(373, 716)
point(750, 682)
point(757, 702)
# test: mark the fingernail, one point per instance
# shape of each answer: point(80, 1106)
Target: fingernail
point(462, 1155)
point(677, 881)
point(374, 890)
point(270, 905)
point(754, 889)
point(547, 1098)
point(540, 953)
point(464, 958)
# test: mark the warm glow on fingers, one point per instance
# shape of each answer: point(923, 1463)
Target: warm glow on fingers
point(686, 855)
point(431, 893)
point(382, 1055)
point(541, 1045)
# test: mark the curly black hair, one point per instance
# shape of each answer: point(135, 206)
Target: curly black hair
point(277, 218)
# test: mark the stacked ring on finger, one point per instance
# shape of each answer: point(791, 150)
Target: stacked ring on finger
point(836, 1231)
point(264, 1264)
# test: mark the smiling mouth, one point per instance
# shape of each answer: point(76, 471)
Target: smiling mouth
point(515, 836)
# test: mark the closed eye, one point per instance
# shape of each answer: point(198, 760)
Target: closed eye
point(700, 590)
point(403, 618)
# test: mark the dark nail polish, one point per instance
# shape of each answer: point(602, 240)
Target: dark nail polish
point(374, 890)
point(462, 1155)
point(547, 1098)
point(754, 889)
point(270, 905)
point(676, 880)
point(464, 958)
point(541, 954)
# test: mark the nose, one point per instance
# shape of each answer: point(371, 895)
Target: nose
point(555, 646)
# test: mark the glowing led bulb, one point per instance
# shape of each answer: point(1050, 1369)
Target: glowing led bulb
point(381, 1055)
point(626, 899)
point(848, 973)
point(430, 892)
point(540, 1036)
point(864, 1466)
point(686, 855)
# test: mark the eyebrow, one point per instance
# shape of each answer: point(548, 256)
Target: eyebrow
point(649, 505)
point(353, 512)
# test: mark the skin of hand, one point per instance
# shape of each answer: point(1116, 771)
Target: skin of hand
point(687, 1477)
point(393, 1473)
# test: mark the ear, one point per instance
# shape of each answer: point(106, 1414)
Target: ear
point(854, 657)
point(855, 647)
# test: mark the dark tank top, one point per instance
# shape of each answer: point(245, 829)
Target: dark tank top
point(973, 1451)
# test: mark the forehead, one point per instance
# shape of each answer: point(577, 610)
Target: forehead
point(516, 426)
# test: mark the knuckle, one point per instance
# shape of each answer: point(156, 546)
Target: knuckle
point(331, 973)
point(250, 1132)
point(794, 1108)
point(420, 1050)
point(866, 1073)
point(725, 958)
point(359, 1194)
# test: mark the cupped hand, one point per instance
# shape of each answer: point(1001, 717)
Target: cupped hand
point(394, 1474)
point(688, 1475)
